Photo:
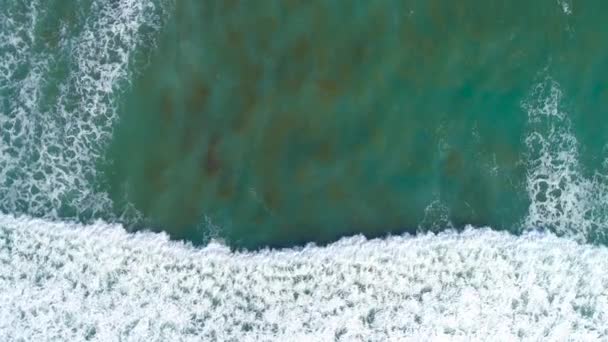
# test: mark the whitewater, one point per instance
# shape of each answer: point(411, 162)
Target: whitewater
point(70, 282)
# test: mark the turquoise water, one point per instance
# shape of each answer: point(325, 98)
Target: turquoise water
point(154, 154)
point(286, 122)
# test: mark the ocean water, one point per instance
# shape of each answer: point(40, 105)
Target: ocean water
point(303, 170)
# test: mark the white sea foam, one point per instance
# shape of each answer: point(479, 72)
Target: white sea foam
point(51, 140)
point(562, 198)
point(566, 6)
point(69, 282)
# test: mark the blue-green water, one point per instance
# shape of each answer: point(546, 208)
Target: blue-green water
point(477, 125)
point(285, 122)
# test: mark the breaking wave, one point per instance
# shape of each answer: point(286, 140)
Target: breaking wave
point(70, 282)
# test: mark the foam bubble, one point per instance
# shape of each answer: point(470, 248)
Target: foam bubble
point(436, 218)
point(61, 76)
point(71, 282)
point(561, 197)
point(566, 6)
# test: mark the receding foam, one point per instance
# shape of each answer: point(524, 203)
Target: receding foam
point(63, 281)
point(562, 198)
point(50, 141)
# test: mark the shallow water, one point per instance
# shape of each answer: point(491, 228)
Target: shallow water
point(289, 122)
point(297, 121)
point(229, 125)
